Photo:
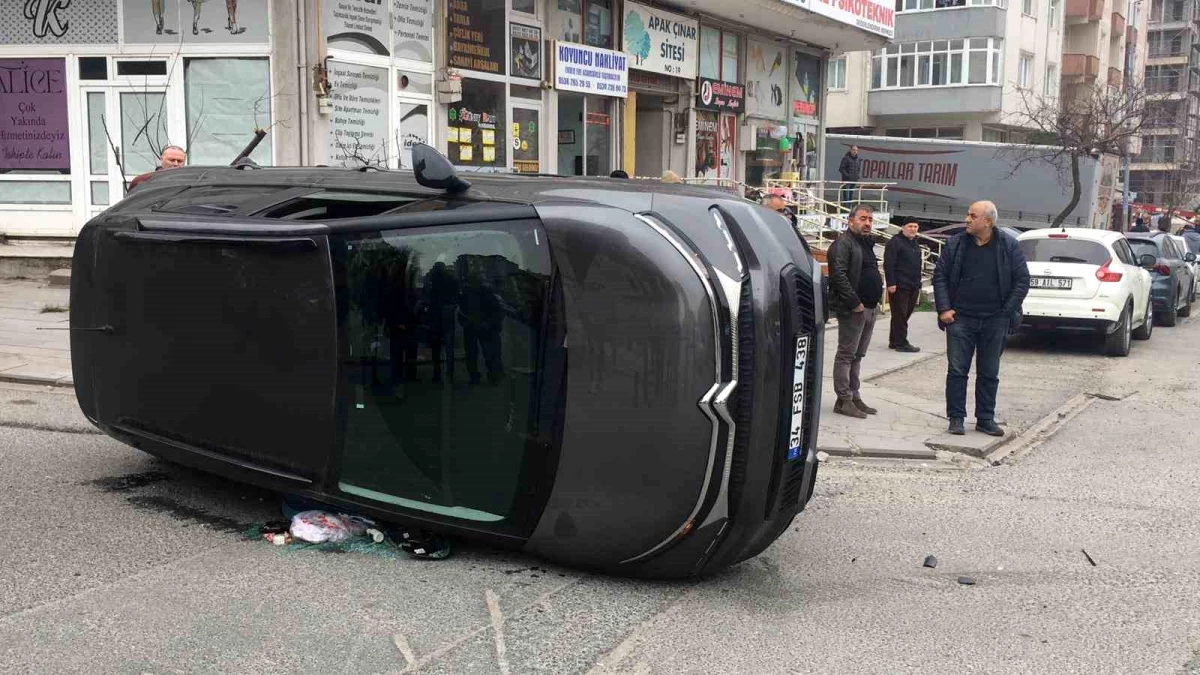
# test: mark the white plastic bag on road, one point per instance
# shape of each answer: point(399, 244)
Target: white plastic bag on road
point(319, 526)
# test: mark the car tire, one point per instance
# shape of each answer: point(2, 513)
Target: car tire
point(1144, 331)
point(1117, 342)
point(1187, 307)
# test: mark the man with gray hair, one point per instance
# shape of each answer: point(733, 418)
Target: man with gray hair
point(855, 289)
point(979, 283)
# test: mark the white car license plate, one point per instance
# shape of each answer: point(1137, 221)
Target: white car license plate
point(799, 363)
point(1056, 283)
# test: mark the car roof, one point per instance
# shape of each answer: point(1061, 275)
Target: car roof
point(499, 187)
point(1086, 234)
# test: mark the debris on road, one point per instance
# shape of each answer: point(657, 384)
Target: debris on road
point(318, 527)
point(822, 456)
point(930, 562)
point(967, 581)
point(1088, 556)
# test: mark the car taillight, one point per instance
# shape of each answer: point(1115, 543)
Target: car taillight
point(1106, 275)
point(1163, 270)
point(1060, 235)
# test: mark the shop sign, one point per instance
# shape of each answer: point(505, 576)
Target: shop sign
point(476, 35)
point(58, 22)
point(357, 26)
point(873, 16)
point(412, 30)
point(358, 127)
point(192, 22)
point(526, 48)
point(806, 84)
point(33, 114)
point(472, 136)
point(723, 96)
point(590, 70)
point(766, 80)
point(661, 42)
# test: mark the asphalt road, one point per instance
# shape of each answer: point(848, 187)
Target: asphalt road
point(115, 562)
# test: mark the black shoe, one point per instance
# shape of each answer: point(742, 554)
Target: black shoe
point(848, 409)
point(908, 349)
point(956, 426)
point(989, 427)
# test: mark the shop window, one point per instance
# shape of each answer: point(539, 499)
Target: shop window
point(35, 192)
point(476, 135)
point(97, 141)
point(585, 21)
point(729, 57)
point(710, 52)
point(141, 68)
point(93, 68)
point(143, 130)
point(226, 100)
point(525, 6)
point(34, 166)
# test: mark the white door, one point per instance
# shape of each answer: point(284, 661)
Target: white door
point(413, 125)
point(127, 129)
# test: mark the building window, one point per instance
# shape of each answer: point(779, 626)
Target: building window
point(993, 135)
point(718, 54)
point(226, 100)
point(947, 133)
point(1162, 79)
point(922, 5)
point(939, 63)
point(1027, 8)
point(587, 22)
point(1053, 13)
point(476, 130)
point(1050, 87)
point(837, 74)
point(1025, 71)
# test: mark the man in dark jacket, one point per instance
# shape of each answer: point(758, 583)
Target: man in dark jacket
point(979, 283)
point(851, 171)
point(855, 289)
point(902, 269)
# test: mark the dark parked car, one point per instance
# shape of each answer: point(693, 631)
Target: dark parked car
point(614, 374)
point(944, 233)
point(1173, 288)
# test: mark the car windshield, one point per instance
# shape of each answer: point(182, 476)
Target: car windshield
point(1065, 251)
point(1144, 247)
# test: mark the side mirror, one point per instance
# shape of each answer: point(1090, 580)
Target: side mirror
point(1147, 261)
point(1189, 257)
point(433, 170)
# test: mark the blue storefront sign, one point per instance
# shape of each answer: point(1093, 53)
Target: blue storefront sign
point(590, 70)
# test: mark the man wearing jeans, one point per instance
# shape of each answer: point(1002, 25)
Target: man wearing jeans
point(979, 283)
point(855, 289)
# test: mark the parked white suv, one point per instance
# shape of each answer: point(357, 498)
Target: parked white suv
point(1087, 279)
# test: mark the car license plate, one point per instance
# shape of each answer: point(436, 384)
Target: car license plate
point(1056, 283)
point(799, 364)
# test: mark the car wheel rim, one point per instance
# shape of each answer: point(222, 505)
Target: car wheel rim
point(1128, 329)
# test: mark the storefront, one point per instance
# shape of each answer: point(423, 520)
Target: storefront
point(90, 94)
point(663, 49)
point(720, 103)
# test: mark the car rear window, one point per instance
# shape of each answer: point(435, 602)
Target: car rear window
point(1144, 247)
point(1065, 251)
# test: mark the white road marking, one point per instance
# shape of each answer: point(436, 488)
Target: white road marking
point(493, 603)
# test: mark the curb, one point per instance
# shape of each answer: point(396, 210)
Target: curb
point(42, 380)
point(888, 371)
point(1043, 430)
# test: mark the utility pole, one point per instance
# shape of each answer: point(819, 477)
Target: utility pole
point(1132, 7)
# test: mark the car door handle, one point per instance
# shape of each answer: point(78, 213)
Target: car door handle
point(280, 244)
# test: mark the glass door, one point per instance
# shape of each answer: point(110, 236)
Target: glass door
point(413, 125)
point(126, 132)
point(526, 138)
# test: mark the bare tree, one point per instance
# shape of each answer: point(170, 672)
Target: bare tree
point(1086, 121)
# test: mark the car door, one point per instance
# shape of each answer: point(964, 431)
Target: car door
point(1139, 279)
point(213, 335)
point(1180, 274)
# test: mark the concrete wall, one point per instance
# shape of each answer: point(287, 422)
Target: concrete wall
point(848, 107)
point(944, 100)
point(946, 24)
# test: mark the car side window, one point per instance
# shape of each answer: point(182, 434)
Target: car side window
point(1169, 250)
point(1124, 254)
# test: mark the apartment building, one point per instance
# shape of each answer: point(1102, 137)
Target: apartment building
point(1172, 79)
point(957, 69)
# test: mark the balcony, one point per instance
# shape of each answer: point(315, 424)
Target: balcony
point(1131, 35)
point(1080, 66)
point(1114, 77)
point(1118, 25)
point(1084, 10)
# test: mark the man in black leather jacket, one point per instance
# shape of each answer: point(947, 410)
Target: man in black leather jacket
point(855, 289)
point(979, 283)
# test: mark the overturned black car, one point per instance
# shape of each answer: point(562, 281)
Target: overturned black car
point(612, 374)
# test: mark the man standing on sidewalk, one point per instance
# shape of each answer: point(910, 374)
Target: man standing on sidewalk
point(850, 170)
point(902, 269)
point(855, 289)
point(979, 283)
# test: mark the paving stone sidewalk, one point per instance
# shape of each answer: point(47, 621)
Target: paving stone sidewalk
point(35, 345)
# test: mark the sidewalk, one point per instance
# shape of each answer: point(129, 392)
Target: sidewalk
point(907, 426)
point(27, 354)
